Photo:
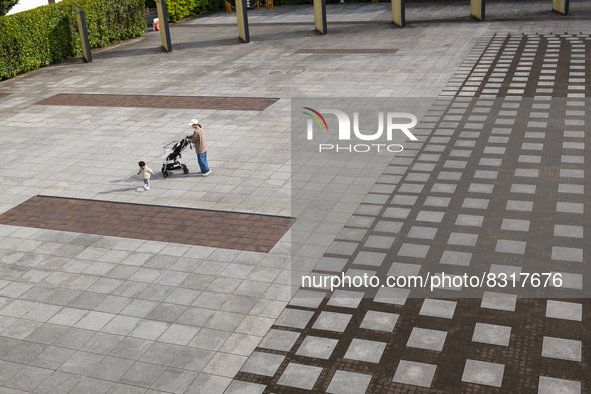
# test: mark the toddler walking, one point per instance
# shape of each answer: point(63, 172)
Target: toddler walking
point(145, 171)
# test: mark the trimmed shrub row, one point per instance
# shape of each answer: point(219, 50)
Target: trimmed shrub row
point(178, 9)
point(49, 34)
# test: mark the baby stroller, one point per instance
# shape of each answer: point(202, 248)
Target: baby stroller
point(170, 160)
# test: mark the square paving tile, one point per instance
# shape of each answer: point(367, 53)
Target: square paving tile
point(563, 349)
point(548, 385)
point(500, 301)
point(332, 321)
point(240, 387)
point(456, 258)
point(300, 376)
point(438, 308)
point(485, 373)
point(423, 338)
point(492, 334)
point(363, 350)
point(317, 347)
point(262, 364)
point(564, 310)
point(344, 382)
point(294, 318)
point(279, 340)
point(379, 321)
point(413, 373)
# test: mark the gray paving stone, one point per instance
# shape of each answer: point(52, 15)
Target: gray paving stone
point(294, 318)
point(344, 382)
point(548, 385)
point(332, 321)
point(438, 308)
point(263, 363)
point(499, 301)
point(476, 203)
point(422, 232)
point(390, 295)
point(462, 239)
point(239, 387)
point(485, 373)
point(299, 376)
point(564, 310)
point(567, 254)
point(28, 378)
point(192, 359)
point(369, 258)
point(413, 373)
point(508, 246)
point(111, 368)
point(364, 350)
point(142, 374)
point(279, 340)
point(492, 334)
point(81, 363)
point(430, 216)
point(560, 348)
point(52, 357)
point(161, 353)
point(379, 321)
point(174, 380)
point(456, 258)
point(427, 339)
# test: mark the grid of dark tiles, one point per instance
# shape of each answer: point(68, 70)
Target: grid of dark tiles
point(530, 65)
point(230, 230)
point(348, 51)
point(176, 102)
point(528, 326)
point(459, 346)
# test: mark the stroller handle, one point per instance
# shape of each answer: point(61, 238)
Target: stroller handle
point(173, 142)
point(170, 143)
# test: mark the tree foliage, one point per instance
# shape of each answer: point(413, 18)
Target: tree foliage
point(6, 5)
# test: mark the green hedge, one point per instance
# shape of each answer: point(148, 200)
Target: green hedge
point(178, 9)
point(49, 34)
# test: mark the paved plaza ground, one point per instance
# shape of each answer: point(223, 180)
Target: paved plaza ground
point(189, 287)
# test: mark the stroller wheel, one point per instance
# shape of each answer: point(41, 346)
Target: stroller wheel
point(165, 174)
point(185, 170)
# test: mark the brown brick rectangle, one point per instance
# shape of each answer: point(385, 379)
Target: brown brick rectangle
point(220, 229)
point(350, 50)
point(172, 102)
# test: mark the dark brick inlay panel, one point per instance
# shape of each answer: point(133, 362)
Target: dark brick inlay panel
point(173, 102)
point(345, 50)
point(219, 229)
point(2, 95)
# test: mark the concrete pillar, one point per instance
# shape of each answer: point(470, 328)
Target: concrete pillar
point(320, 16)
point(560, 6)
point(164, 30)
point(398, 16)
point(242, 17)
point(477, 9)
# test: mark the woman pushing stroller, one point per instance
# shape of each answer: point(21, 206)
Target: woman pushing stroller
point(198, 140)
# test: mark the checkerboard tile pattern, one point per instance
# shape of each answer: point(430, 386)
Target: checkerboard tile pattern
point(231, 230)
point(525, 65)
point(495, 183)
point(174, 102)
